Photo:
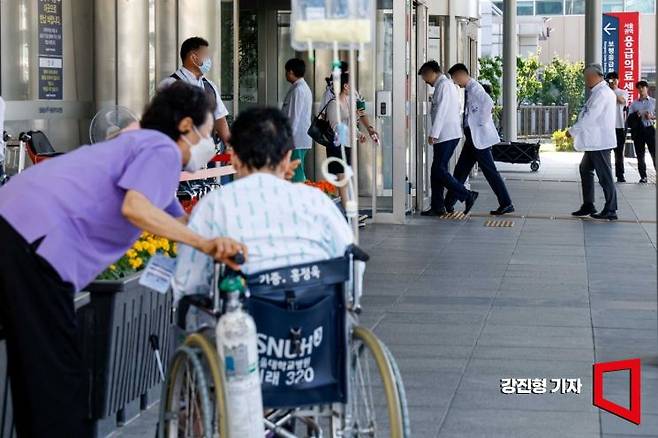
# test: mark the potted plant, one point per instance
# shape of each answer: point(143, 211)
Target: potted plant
point(119, 329)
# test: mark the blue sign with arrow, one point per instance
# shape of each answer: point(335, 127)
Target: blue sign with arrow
point(610, 49)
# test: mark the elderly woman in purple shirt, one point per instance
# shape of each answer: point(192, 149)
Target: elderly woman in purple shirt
point(65, 220)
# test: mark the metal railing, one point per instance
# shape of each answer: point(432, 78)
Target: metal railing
point(538, 121)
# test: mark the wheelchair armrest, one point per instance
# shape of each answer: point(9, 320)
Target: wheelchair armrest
point(201, 301)
point(49, 154)
point(356, 252)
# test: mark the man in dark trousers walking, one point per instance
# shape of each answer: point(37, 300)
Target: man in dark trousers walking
point(481, 135)
point(444, 137)
point(594, 134)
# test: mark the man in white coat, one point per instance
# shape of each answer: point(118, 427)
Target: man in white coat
point(594, 133)
point(297, 105)
point(444, 136)
point(480, 135)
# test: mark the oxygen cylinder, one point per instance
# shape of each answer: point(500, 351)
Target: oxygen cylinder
point(237, 348)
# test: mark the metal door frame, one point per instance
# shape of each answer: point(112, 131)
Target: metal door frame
point(422, 198)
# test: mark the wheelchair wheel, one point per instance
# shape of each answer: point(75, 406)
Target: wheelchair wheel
point(402, 393)
point(199, 350)
point(374, 408)
point(186, 408)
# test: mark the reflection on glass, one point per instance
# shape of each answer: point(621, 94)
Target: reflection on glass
point(644, 6)
point(548, 7)
point(574, 7)
point(285, 52)
point(248, 47)
point(613, 5)
point(384, 77)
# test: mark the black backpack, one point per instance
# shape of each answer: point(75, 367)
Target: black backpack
point(320, 130)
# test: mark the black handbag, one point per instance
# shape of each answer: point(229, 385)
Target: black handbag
point(320, 130)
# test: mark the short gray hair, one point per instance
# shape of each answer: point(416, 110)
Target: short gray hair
point(594, 68)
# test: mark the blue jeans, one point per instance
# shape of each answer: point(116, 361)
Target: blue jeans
point(441, 178)
point(471, 155)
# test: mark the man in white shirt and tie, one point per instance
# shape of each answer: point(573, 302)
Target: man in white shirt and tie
point(195, 55)
point(480, 135)
point(297, 105)
point(594, 134)
point(444, 136)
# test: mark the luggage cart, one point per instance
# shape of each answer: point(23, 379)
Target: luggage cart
point(517, 153)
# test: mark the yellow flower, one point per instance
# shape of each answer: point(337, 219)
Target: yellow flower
point(113, 268)
point(131, 253)
point(138, 246)
point(136, 262)
point(174, 248)
point(151, 249)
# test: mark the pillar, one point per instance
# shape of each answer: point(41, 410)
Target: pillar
point(593, 17)
point(510, 52)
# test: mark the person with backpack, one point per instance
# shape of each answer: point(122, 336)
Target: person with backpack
point(195, 55)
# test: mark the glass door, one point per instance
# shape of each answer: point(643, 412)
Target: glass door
point(382, 162)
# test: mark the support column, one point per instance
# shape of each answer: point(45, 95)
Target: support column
point(236, 58)
point(510, 52)
point(593, 17)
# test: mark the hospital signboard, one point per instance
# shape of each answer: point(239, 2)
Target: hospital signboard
point(51, 61)
point(621, 48)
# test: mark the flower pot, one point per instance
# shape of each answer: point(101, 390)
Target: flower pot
point(115, 328)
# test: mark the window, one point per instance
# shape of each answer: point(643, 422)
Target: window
point(525, 8)
point(574, 7)
point(644, 6)
point(548, 7)
point(613, 5)
point(522, 7)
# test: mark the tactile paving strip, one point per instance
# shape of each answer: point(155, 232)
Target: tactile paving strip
point(499, 224)
point(454, 216)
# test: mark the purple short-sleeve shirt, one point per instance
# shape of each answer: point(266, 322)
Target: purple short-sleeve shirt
point(74, 201)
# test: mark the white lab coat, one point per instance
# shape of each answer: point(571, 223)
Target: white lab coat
point(2, 124)
point(446, 122)
point(595, 128)
point(297, 105)
point(479, 108)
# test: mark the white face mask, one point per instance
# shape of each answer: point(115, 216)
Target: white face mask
point(200, 153)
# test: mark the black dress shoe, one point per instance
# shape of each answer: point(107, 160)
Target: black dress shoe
point(621, 179)
point(450, 210)
point(502, 210)
point(643, 180)
point(470, 201)
point(604, 216)
point(585, 210)
point(433, 213)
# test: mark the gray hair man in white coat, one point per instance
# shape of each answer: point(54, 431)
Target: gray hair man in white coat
point(480, 135)
point(444, 136)
point(594, 134)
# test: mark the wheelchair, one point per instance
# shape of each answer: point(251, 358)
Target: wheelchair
point(322, 374)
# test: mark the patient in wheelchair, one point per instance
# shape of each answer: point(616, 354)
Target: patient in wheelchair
point(281, 223)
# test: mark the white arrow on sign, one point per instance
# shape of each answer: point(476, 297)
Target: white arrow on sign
point(608, 29)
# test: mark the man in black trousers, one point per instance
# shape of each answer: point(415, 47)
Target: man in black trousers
point(481, 135)
point(444, 136)
point(594, 134)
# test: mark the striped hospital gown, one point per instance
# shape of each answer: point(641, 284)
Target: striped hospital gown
point(281, 223)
